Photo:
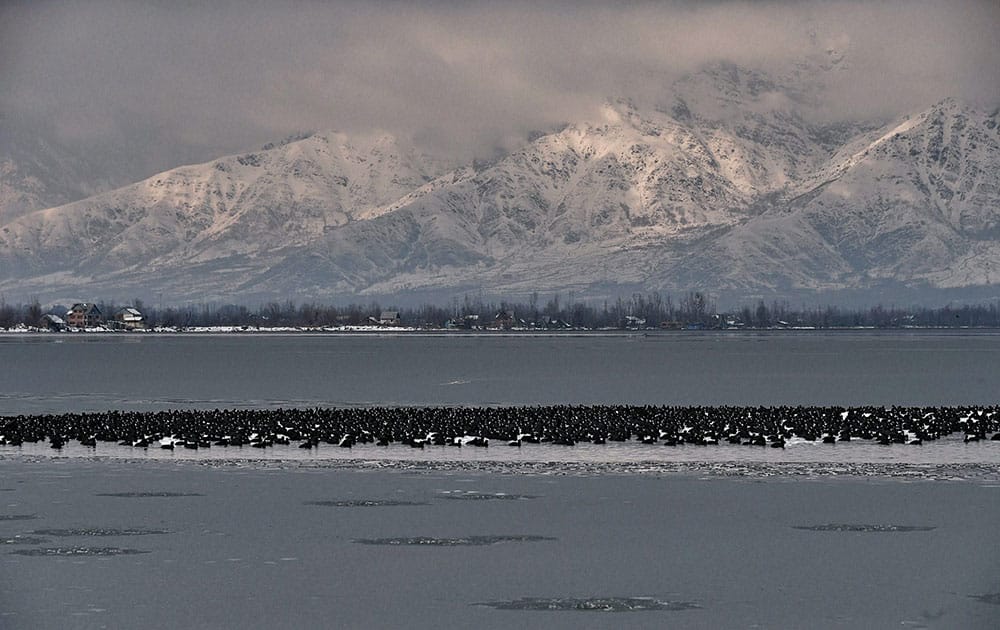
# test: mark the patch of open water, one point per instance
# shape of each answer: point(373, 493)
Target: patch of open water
point(913, 368)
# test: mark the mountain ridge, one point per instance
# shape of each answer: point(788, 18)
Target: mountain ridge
point(735, 194)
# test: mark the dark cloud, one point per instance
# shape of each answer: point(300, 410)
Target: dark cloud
point(174, 82)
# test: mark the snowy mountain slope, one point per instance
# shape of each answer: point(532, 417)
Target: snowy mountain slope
point(622, 181)
point(917, 202)
point(627, 181)
point(596, 203)
point(726, 187)
point(242, 205)
point(914, 201)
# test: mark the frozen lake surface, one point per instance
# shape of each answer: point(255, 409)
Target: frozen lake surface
point(131, 544)
point(627, 534)
point(87, 372)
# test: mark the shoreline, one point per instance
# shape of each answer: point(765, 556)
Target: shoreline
point(444, 332)
point(982, 472)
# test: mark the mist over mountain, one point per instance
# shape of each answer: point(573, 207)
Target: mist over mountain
point(38, 172)
point(727, 186)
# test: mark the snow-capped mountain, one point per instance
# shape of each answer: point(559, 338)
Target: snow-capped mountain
point(725, 187)
point(916, 202)
point(241, 206)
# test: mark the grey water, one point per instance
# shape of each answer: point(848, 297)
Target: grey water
point(253, 550)
point(95, 372)
point(312, 546)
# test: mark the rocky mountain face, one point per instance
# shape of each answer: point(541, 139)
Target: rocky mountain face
point(723, 188)
point(241, 210)
point(913, 203)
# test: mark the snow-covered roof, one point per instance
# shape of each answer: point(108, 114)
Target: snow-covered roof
point(84, 307)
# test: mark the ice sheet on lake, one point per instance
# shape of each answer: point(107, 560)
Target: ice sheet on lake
point(840, 527)
point(598, 604)
point(142, 495)
point(366, 503)
point(19, 539)
point(465, 541)
point(78, 551)
point(485, 496)
point(17, 517)
point(988, 598)
point(99, 531)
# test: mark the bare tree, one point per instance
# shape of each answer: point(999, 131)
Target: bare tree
point(33, 313)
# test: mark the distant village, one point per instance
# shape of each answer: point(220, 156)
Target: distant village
point(83, 316)
point(86, 316)
point(640, 312)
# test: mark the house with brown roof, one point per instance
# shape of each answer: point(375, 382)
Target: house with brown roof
point(84, 315)
point(504, 320)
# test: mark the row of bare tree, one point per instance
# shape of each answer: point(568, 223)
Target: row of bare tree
point(650, 310)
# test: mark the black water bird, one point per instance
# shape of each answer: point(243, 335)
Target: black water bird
point(555, 424)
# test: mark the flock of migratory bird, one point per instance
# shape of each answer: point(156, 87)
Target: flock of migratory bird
point(421, 427)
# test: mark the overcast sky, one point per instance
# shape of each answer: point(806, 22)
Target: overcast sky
point(173, 82)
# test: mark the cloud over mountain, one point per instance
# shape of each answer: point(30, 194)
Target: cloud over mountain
point(727, 189)
point(179, 83)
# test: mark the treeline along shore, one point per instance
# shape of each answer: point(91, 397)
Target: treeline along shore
point(423, 427)
point(640, 311)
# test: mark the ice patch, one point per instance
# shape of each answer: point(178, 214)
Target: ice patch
point(366, 503)
point(480, 496)
point(23, 540)
point(596, 604)
point(837, 527)
point(78, 551)
point(467, 541)
point(137, 495)
point(988, 598)
point(99, 531)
